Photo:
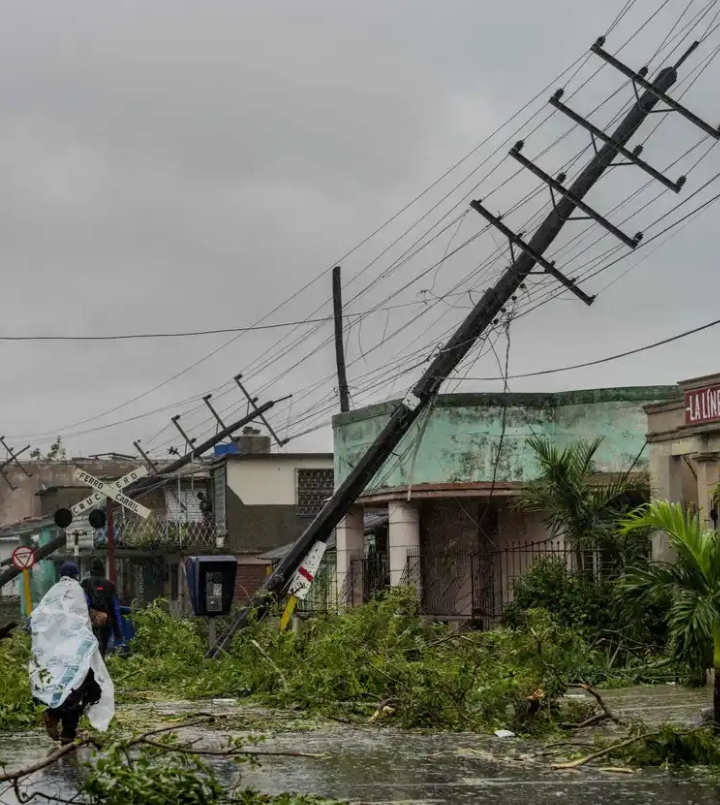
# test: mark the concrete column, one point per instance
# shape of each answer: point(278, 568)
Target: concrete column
point(707, 479)
point(404, 542)
point(350, 541)
point(666, 484)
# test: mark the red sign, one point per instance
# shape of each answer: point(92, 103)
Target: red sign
point(23, 557)
point(702, 405)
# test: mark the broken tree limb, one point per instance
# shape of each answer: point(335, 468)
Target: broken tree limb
point(574, 764)
point(607, 712)
point(147, 739)
point(270, 660)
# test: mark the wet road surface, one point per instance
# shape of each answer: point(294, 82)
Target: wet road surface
point(371, 765)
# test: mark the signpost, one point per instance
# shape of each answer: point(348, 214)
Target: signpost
point(108, 492)
point(104, 493)
point(111, 490)
point(23, 558)
point(302, 580)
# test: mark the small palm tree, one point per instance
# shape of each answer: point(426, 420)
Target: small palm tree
point(691, 583)
point(578, 507)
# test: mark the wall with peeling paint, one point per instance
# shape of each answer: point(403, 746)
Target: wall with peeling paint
point(461, 437)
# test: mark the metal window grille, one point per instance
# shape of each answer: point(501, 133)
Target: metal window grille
point(314, 487)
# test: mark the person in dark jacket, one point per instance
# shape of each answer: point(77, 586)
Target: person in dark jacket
point(103, 605)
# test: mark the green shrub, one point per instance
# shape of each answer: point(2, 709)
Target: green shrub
point(17, 710)
point(573, 600)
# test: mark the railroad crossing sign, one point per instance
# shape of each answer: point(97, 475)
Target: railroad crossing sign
point(112, 490)
point(23, 557)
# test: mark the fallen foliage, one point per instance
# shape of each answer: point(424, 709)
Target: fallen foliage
point(152, 768)
point(667, 745)
point(379, 663)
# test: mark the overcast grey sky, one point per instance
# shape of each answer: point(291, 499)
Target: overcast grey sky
point(168, 165)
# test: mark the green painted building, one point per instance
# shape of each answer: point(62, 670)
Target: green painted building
point(448, 488)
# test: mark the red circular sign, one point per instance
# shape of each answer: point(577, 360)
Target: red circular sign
point(23, 557)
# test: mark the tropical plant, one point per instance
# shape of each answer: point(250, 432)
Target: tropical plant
point(578, 507)
point(573, 600)
point(56, 452)
point(692, 582)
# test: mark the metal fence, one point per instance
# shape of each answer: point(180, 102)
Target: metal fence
point(467, 584)
point(367, 576)
point(323, 593)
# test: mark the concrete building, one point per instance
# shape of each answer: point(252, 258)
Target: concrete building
point(260, 501)
point(263, 500)
point(449, 490)
point(39, 487)
point(684, 451)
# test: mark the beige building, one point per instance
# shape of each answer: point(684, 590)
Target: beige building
point(684, 450)
point(263, 500)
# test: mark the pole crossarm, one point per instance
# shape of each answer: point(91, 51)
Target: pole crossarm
point(252, 401)
point(539, 259)
point(206, 400)
point(632, 156)
point(188, 441)
point(639, 79)
point(14, 456)
point(556, 184)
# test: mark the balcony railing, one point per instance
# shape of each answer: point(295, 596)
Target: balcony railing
point(156, 532)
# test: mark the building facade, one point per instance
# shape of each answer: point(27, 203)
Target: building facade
point(258, 501)
point(263, 500)
point(449, 490)
point(683, 435)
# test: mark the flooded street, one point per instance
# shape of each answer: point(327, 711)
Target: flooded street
point(375, 765)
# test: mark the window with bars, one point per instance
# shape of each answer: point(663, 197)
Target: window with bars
point(314, 487)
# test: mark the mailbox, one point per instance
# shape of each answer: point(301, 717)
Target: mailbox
point(211, 584)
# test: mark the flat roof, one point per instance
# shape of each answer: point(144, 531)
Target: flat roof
point(269, 456)
point(554, 399)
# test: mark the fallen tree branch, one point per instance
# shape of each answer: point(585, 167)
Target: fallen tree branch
point(15, 775)
point(53, 757)
point(574, 764)
point(607, 712)
point(270, 660)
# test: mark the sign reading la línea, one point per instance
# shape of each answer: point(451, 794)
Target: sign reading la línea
point(702, 405)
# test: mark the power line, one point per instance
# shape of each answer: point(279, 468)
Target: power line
point(386, 272)
point(192, 333)
point(185, 334)
point(598, 361)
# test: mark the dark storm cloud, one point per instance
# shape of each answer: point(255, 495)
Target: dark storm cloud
point(177, 165)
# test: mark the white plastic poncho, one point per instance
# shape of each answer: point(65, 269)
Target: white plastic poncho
point(64, 649)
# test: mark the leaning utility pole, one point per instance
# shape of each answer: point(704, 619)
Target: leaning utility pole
point(142, 485)
point(487, 308)
point(339, 346)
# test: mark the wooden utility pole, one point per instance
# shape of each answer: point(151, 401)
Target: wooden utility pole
point(133, 490)
point(339, 346)
point(525, 257)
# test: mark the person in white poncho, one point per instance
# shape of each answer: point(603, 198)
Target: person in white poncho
point(67, 673)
